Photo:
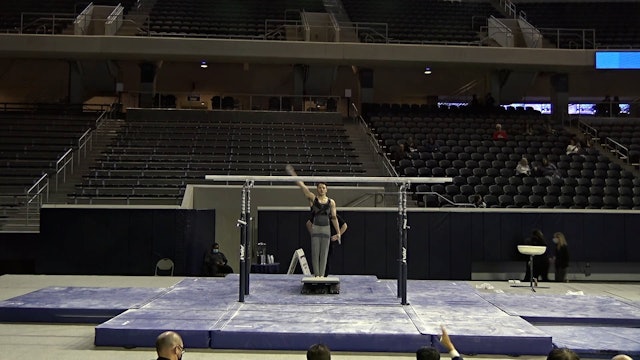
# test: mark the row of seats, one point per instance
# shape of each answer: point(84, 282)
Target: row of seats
point(221, 18)
point(422, 22)
point(487, 167)
point(156, 159)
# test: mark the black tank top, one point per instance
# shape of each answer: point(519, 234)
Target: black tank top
point(320, 213)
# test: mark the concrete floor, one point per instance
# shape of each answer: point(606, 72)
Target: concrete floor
point(71, 341)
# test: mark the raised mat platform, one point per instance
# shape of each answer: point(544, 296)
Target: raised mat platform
point(366, 316)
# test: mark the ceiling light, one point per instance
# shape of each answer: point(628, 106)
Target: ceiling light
point(203, 64)
point(427, 71)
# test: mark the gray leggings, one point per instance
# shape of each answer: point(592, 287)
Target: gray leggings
point(320, 239)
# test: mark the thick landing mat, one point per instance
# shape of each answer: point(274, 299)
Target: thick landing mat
point(599, 341)
point(568, 309)
point(365, 316)
point(474, 324)
point(75, 304)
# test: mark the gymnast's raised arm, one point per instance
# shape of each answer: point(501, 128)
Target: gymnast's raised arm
point(307, 193)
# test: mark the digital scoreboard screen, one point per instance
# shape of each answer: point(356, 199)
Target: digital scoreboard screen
point(618, 60)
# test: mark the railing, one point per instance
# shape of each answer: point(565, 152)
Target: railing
point(588, 129)
point(35, 194)
point(499, 32)
point(85, 142)
point(61, 166)
point(370, 32)
point(83, 20)
point(114, 21)
point(34, 20)
point(509, 7)
point(620, 150)
point(283, 30)
point(373, 143)
point(57, 108)
point(305, 103)
point(570, 38)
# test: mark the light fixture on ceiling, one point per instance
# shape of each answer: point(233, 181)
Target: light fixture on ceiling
point(427, 70)
point(203, 64)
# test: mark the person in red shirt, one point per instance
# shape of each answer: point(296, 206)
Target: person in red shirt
point(499, 134)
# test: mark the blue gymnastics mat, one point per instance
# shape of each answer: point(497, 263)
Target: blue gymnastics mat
point(91, 305)
point(568, 309)
point(365, 316)
point(596, 341)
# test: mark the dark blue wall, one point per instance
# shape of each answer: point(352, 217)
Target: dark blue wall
point(443, 245)
point(90, 241)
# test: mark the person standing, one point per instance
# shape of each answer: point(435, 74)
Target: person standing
point(323, 212)
point(335, 239)
point(561, 258)
point(540, 262)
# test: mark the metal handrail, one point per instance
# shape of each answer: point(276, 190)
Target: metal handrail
point(373, 144)
point(40, 186)
point(588, 129)
point(621, 151)
point(443, 198)
point(45, 16)
point(61, 165)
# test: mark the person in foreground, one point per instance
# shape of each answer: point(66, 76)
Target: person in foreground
point(169, 346)
point(323, 212)
point(562, 354)
point(431, 353)
point(318, 352)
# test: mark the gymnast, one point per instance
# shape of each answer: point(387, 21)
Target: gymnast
point(323, 213)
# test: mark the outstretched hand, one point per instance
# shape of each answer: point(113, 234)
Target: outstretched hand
point(446, 341)
point(290, 170)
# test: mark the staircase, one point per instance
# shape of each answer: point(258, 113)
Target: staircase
point(27, 218)
point(371, 161)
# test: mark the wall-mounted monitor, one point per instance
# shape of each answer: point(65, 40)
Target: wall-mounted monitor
point(618, 60)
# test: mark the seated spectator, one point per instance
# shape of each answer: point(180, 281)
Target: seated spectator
point(573, 147)
point(431, 145)
point(318, 352)
point(523, 169)
point(562, 354)
point(546, 169)
point(430, 353)
point(400, 153)
point(411, 144)
point(499, 134)
point(478, 201)
point(215, 262)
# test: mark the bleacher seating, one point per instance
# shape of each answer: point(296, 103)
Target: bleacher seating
point(222, 18)
point(623, 32)
point(432, 21)
point(480, 165)
point(152, 159)
point(30, 145)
